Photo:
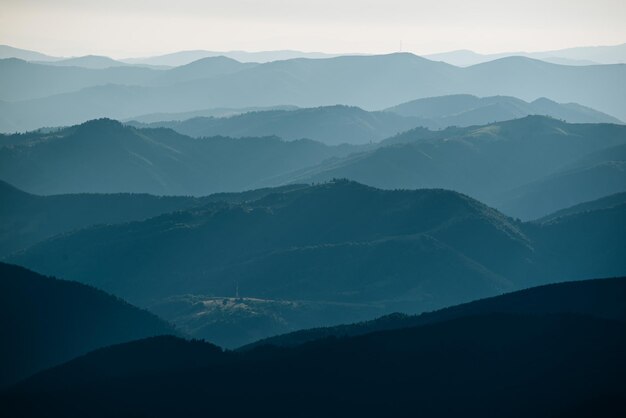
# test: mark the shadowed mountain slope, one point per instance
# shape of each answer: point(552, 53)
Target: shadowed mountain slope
point(593, 176)
point(48, 321)
point(527, 167)
point(601, 298)
point(488, 162)
point(27, 218)
point(445, 368)
point(312, 243)
point(366, 251)
point(103, 156)
point(602, 203)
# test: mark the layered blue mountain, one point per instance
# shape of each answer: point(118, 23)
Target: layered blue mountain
point(586, 55)
point(527, 167)
point(27, 219)
point(104, 156)
point(47, 321)
point(566, 358)
point(593, 176)
point(467, 110)
point(331, 125)
point(343, 124)
point(44, 95)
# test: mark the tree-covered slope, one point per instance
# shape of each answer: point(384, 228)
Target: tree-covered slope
point(46, 321)
point(500, 365)
point(103, 156)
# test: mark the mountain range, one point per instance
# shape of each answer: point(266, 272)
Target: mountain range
point(467, 110)
point(103, 156)
point(587, 55)
point(27, 219)
point(36, 95)
point(364, 251)
point(527, 167)
point(301, 234)
point(334, 125)
point(590, 55)
point(444, 366)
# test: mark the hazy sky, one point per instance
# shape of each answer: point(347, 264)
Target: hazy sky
point(123, 28)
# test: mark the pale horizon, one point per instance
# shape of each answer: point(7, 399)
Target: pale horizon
point(141, 28)
point(304, 51)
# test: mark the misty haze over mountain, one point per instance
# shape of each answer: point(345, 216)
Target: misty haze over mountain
point(312, 208)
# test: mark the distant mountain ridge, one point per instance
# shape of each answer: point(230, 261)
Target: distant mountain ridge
point(332, 125)
point(369, 82)
point(203, 113)
point(7, 51)
point(527, 167)
point(505, 164)
point(591, 55)
point(467, 110)
point(344, 124)
point(104, 156)
point(185, 57)
point(88, 61)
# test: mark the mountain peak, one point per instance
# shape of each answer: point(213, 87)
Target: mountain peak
point(101, 124)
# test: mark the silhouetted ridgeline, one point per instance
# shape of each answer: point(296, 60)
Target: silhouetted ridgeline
point(46, 322)
point(600, 298)
point(492, 365)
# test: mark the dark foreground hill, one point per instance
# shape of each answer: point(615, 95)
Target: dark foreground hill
point(46, 321)
point(362, 251)
point(601, 298)
point(476, 366)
